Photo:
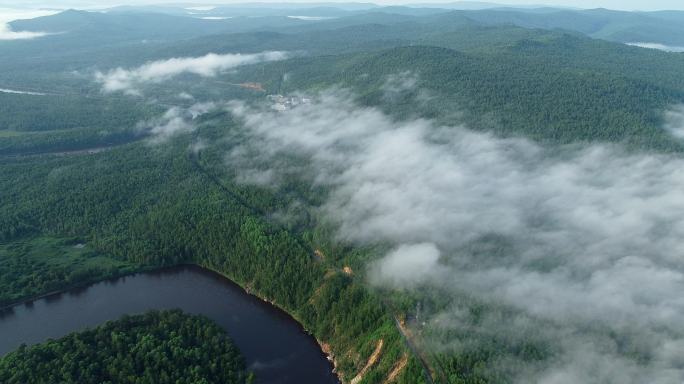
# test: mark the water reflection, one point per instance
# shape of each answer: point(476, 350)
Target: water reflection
point(274, 345)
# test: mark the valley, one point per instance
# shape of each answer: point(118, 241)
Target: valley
point(425, 194)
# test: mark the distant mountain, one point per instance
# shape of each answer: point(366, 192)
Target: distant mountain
point(351, 6)
point(469, 5)
point(537, 87)
point(654, 27)
point(236, 11)
point(126, 25)
point(123, 25)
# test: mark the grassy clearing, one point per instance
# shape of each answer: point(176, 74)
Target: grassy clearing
point(34, 266)
point(4, 133)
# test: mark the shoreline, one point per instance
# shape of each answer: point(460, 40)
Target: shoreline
point(81, 285)
point(323, 347)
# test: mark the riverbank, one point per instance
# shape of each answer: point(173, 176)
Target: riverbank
point(38, 266)
point(344, 345)
point(275, 345)
point(326, 349)
point(71, 287)
point(195, 269)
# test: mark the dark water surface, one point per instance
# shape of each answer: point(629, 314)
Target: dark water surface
point(273, 344)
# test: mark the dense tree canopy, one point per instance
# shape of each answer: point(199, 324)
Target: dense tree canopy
point(85, 196)
point(157, 347)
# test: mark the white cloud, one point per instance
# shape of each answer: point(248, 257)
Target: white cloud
point(201, 8)
point(407, 265)
point(5, 90)
point(580, 237)
point(173, 122)
point(176, 121)
point(658, 46)
point(185, 96)
point(311, 18)
point(129, 80)
point(7, 34)
point(674, 121)
point(9, 14)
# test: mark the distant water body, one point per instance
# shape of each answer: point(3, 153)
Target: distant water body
point(274, 345)
point(660, 47)
point(311, 18)
point(5, 90)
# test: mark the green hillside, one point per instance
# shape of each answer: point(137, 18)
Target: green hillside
point(130, 350)
point(80, 167)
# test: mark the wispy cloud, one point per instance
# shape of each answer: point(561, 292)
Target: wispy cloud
point(581, 238)
point(311, 18)
point(130, 80)
point(175, 121)
point(7, 34)
point(12, 91)
point(674, 121)
point(658, 46)
point(8, 14)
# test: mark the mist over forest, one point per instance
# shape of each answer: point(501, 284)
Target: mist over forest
point(463, 193)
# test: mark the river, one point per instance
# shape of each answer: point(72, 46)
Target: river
point(274, 345)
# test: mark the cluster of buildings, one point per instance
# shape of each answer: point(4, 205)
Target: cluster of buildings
point(282, 103)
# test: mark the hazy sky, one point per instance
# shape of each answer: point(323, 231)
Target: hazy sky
point(613, 4)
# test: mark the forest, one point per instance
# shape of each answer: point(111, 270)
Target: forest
point(86, 193)
point(161, 208)
point(35, 266)
point(156, 347)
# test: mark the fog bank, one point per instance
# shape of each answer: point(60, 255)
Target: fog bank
point(10, 14)
point(585, 238)
point(130, 80)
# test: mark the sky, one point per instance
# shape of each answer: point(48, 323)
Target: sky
point(612, 4)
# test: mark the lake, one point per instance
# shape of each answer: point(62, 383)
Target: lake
point(274, 345)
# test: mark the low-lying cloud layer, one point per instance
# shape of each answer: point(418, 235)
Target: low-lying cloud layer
point(130, 80)
point(586, 238)
point(15, 92)
point(658, 46)
point(8, 34)
point(7, 15)
point(674, 121)
point(174, 121)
